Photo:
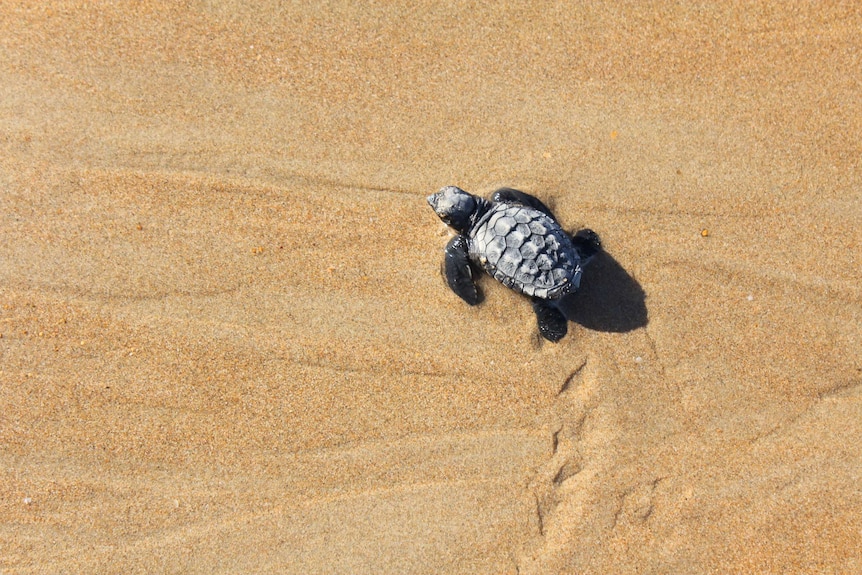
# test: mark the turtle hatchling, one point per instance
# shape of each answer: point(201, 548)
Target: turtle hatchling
point(517, 240)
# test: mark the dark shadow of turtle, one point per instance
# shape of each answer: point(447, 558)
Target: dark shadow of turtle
point(609, 299)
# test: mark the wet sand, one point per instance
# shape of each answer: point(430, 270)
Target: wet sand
point(227, 347)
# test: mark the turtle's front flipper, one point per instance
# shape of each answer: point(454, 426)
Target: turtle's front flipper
point(587, 243)
point(517, 197)
point(458, 272)
point(552, 323)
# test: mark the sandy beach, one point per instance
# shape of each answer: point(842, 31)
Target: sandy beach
point(226, 345)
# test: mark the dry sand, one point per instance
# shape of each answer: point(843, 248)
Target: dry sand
point(226, 345)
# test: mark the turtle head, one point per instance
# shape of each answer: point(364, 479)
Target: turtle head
point(455, 207)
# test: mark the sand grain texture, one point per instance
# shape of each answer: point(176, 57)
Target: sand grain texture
point(226, 345)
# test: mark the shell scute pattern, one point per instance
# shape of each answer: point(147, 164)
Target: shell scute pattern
point(526, 250)
point(544, 262)
point(522, 217)
point(537, 228)
point(504, 225)
point(529, 250)
point(494, 249)
point(515, 239)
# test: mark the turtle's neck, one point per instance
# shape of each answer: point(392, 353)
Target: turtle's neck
point(482, 207)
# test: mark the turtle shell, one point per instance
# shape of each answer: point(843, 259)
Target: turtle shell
point(526, 250)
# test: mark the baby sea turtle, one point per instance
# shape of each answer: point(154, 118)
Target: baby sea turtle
point(515, 238)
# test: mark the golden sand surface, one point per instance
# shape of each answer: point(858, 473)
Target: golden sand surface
point(227, 346)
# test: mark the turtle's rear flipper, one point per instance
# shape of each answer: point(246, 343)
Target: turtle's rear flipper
point(553, 325)
point(518, 197)
point(587, 243)
point(459, 274)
